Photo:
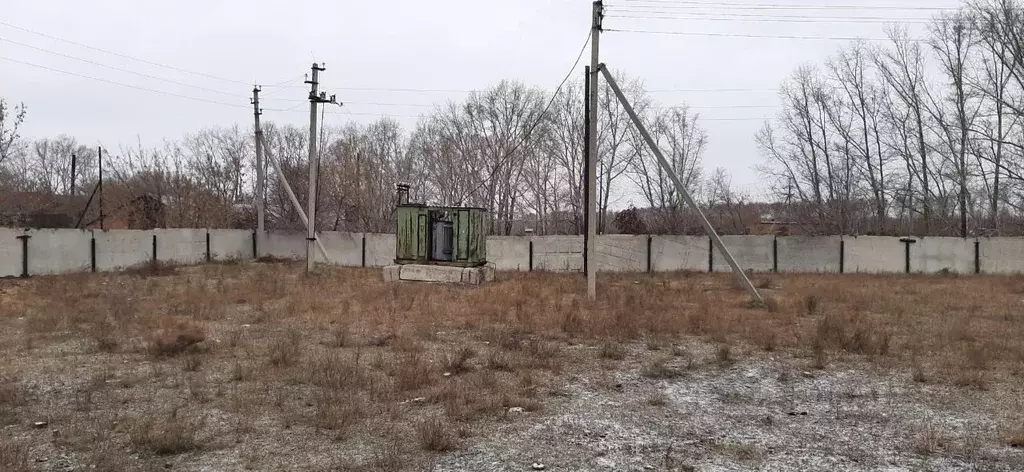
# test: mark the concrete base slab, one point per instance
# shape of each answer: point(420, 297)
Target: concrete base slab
point(478, 275)
point(439, 274)
point(392, 273)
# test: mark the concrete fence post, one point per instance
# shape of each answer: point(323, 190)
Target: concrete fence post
point(24, 254)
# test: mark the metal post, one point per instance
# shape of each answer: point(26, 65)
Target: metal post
point(591, 250)
point(99, 153)
point(74, 172)
point(977, 256)
point(842, 256)
point(736, 269)
point(24, 254)
point(261, 215)
point(92, 254)
point(586, 166)
point(313, 167)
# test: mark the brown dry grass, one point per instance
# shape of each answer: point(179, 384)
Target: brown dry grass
point(203, 358)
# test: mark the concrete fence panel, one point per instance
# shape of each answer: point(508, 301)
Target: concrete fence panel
point(180, 246)
point(558, 253)
point(230, 244)
point(120, 249)
point(344, 249)
point(931, 255)
point(380, 249)
point(677, 253)
point(59, 251)
point(509, 252)
point(282, 244)
point(1002, 255)
point(751, 252)
point(10, 252)
point(874, 254)
point(621, 253)
point(810, 254)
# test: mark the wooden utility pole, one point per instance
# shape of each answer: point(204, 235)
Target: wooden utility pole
point(261, 216)
point(315, 98)
point(591, 249)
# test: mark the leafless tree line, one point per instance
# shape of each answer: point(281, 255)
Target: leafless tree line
point(513, 149)
point(915, 135)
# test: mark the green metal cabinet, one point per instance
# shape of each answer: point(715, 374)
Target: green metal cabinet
point(453, 236)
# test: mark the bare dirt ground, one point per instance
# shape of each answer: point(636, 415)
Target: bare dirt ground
point(259, 367)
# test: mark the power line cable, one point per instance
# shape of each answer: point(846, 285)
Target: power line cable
point(280, 85)
point(682, 4)
point(529, 132)
point(714, 90)
point(125, 56)
point(771, 19)
point(751, 36)
point(145, 89)
point(120, 69)
point(399, 90)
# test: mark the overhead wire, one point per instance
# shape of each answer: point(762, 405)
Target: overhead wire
point(750, 36)
point(120, 69)
point(630, 15)
point(120, 84)
point(536, 123)
point(685, 4)
point(124, 56)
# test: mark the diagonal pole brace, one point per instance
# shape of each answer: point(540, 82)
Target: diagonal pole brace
point(736, 269)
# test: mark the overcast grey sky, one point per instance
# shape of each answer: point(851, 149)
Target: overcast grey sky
point(452, 45)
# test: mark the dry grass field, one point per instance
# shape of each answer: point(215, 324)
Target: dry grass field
point(260, 367)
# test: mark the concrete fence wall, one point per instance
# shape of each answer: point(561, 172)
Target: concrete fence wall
point(751, 253)
point(680, 253)
point(231, 244)
point(58, 251)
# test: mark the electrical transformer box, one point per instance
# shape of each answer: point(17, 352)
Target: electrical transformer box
point(435, 235)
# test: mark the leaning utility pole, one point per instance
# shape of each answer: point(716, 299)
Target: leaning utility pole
point(736, 269)
point(261, 217)
point(315, 98)
point(591, 243)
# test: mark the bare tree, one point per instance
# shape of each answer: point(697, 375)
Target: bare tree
point(953, 41)
point(50, 164)
point(902, 70)
point(565, 143)
point(10, 122)
point(615, 139)
point(682, 141)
